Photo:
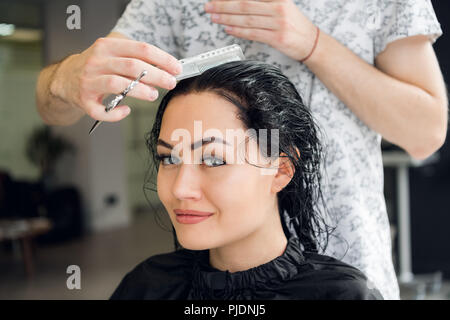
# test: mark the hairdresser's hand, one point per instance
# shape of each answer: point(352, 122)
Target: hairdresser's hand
point(108, 66)
point(278, 23)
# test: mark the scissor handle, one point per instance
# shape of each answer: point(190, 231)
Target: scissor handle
point(117, 99)
point(134, 83)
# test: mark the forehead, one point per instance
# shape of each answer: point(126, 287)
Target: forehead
point(212, 110)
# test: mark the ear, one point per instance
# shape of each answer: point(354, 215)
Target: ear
point(284, 174)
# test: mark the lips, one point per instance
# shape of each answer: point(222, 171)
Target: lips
point(192, 212)
point(191, 216)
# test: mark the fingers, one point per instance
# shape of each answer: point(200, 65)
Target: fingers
point(258, 0)
point(247, 21)
point(242, 7)
point(97, 111)
point(116, 84)
point(260, 35)
point(139, 50)
point(131, 68)
point(111, 64)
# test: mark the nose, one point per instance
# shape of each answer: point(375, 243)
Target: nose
point(186, 184)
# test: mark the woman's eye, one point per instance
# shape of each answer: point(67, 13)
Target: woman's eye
point(167, 160)
point(213, 162)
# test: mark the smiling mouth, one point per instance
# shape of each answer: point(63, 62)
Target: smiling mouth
point(192, 212)
point(191, 218)
point(194, 215)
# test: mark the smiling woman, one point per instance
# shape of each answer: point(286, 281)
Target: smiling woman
point(244, 210)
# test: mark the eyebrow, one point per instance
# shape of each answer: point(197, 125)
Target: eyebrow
point(194, 145)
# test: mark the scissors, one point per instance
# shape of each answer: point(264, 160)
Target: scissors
point(118, 98)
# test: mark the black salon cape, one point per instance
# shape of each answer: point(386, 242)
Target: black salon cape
point(187, 275)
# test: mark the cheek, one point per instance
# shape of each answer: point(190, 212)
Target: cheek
point(240, 189)
point(221, 189)
point(163, 185)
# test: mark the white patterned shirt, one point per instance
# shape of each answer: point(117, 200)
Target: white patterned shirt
point(353, 189)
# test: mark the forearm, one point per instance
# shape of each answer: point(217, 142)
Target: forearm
point(402, 113)
point(53, 109)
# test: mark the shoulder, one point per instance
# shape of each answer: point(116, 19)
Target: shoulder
point(333, 279)
point(162, 276)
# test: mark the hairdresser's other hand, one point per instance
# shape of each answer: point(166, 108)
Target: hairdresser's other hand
point(107, 67)
point(278, 23)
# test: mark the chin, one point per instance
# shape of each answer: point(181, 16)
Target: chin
point(193, 241)
point(193, 245)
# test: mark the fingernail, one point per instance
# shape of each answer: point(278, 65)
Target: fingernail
point(127, 111)
point(154, 95)
point(208, 6)
point(215, 17)
point(173, 82)
point(179, 67)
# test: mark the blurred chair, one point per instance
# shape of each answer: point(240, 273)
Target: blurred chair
point(24, 231)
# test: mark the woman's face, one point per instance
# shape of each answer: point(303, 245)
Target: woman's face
point(237, 197)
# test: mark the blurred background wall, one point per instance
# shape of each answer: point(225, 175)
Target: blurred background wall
point(107, 167)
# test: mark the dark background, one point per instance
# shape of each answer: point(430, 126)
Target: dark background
point(430, 185)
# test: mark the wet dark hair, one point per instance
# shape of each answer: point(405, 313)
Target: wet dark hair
point(267, 99)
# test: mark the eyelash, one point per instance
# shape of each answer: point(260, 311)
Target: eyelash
point(161, 157)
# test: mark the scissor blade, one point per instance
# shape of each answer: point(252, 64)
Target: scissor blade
point(96, 124)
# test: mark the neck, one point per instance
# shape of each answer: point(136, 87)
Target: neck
point(259, 247)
